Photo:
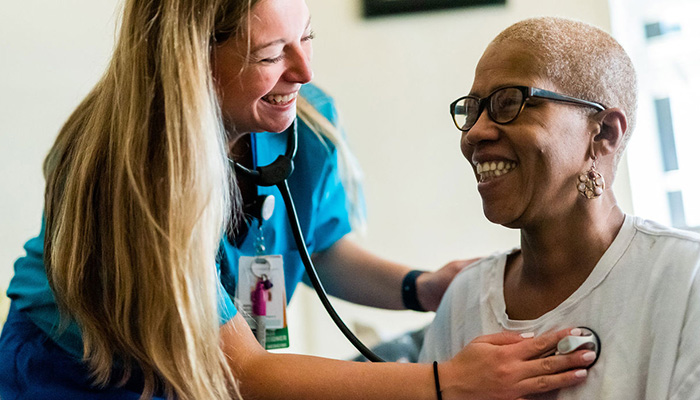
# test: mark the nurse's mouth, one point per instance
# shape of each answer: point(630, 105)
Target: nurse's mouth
point(278, 99)
point(493, 169)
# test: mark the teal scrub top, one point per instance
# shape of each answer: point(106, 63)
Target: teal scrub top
point(320, 202)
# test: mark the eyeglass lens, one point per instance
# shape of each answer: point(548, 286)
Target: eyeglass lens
point(503, 106)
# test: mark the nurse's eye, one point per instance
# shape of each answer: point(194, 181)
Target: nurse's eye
point(272, 60)
point(309, 37)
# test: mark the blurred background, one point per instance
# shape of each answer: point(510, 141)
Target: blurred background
point(393, 78)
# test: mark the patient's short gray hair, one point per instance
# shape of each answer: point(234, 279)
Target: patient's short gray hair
point(582, 61)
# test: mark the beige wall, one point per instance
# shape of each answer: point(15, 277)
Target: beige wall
point(392, 77)
point(51, 53)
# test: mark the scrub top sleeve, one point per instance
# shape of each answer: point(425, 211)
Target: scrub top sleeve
point(332, 220)
point(227, 310)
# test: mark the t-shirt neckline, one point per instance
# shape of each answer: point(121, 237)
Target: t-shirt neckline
point(494, 283)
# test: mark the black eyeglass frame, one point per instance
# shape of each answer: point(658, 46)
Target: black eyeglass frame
point(528, 92)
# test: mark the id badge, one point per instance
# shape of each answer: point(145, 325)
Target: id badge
point(251, 272)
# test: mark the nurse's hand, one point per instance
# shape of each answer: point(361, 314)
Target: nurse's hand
point(431, 286)
point(507, 366)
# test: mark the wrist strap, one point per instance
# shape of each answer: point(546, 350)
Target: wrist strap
point(408, 291)
point(437, 380)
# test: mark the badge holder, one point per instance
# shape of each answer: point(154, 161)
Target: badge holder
point(261, 288)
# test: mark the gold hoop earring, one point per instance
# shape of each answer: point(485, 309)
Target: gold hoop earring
point(591, 183)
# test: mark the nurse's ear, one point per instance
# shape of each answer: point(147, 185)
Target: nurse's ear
point(609, 127)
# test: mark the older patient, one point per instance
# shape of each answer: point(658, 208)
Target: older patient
point(550, 111)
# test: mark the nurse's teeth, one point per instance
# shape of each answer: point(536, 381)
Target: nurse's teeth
point(488, 170)
point(279, 99)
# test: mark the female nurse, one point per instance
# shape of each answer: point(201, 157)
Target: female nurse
point(127, 291)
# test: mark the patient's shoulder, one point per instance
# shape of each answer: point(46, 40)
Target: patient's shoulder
point(653, 228)
point(482, 269)
point(659, 240)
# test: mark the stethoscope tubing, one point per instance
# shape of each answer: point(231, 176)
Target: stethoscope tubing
point(276, 174)
point(313, 276)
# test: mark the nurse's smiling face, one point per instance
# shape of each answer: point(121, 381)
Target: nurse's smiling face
point(538, 156)
point(258, 78)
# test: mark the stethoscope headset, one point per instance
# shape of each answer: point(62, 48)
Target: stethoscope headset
point(276, 174)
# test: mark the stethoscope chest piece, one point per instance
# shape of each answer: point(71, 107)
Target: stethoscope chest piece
point(588, 340)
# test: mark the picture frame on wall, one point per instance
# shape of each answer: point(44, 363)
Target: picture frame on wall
point(376, 8)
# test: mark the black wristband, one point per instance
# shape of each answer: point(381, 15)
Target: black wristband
point(437, 380)
point(408, 291)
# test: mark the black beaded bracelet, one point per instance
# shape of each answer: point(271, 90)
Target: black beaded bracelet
point(437, 380)
point(408, 291)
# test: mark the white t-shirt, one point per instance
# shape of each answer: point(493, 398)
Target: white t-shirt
point(642, 299)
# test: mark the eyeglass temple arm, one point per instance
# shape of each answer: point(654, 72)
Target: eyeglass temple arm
point(561, 97)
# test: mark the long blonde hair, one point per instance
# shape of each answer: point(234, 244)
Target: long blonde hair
point(138, 193)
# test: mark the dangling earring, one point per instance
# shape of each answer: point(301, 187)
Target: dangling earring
point(591, 183)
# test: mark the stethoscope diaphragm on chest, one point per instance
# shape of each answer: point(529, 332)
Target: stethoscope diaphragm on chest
point(588, 340)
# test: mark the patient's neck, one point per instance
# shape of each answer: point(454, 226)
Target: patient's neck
point(556, 257)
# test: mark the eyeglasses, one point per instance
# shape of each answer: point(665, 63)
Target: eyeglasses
point(505, 104)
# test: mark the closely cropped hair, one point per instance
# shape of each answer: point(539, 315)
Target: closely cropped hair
point(583, 61)
point(138, 193)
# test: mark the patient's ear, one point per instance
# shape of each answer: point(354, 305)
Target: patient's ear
point(611, 128)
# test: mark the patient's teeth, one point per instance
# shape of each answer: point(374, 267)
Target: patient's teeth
point(491, 169)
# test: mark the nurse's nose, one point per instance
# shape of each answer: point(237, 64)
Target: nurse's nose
point(300, 65)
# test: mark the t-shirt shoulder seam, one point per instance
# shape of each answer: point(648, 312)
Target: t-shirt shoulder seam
point(676, 233)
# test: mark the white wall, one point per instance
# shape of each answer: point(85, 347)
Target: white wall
point(51, 54)
point(392, 77)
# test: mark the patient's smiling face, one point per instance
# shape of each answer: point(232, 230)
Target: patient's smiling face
point(539, 155)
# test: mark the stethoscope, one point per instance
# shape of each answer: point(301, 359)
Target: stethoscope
point(588, 340)
point(276, 174)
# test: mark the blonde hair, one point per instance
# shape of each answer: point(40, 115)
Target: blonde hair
point(583, 61)
point(138, 194)
point(348, 167)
